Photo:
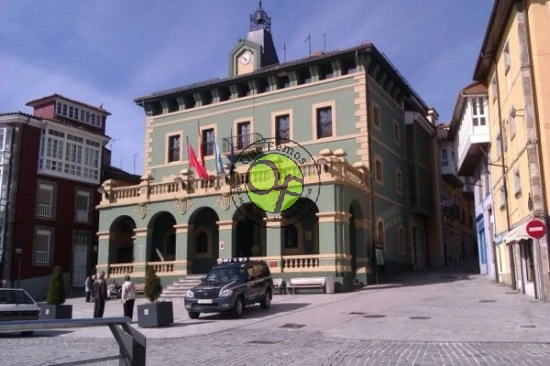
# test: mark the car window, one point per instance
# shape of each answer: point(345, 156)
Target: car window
point(225, 275)
point(14, 297)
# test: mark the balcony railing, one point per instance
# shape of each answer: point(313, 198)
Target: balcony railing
point(41, 256)
point(45, 210)
point(288, 263)
point(241, 142)
point(333, 170)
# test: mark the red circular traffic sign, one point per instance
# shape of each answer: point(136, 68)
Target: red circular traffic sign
point(536, 229)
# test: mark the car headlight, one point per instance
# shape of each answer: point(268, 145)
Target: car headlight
point(190, 294)
point(225, 293)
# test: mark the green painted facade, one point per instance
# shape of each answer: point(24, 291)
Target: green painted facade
point(346, 220)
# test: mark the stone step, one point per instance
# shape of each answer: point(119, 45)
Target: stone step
point(179, 288)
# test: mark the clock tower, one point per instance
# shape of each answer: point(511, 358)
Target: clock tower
point(257, 49)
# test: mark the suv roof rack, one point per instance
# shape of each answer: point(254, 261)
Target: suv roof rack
point(233, 260)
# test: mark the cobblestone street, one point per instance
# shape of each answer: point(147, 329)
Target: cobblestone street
point(275, 347)
point(431, 318)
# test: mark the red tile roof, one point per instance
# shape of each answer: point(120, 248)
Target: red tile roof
point(35, 102)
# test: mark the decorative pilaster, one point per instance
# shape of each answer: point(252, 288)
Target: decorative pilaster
point(142, 237)
point(334, 238)
point(182, 233)
point(274, 246)
point(103, 241)
point(225, 237)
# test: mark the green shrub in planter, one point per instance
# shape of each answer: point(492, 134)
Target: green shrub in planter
point(56, 289)
point(153, 287)
point(54, 308)
point(154, 314)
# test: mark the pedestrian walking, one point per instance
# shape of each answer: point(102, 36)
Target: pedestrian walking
point(99, 289)
point(88, 288)
point(128, 297)
point(94, 277)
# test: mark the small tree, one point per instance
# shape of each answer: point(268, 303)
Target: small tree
point(56, 289)
point(153, 287)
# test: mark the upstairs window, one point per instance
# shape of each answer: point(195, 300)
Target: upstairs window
point(506, 56)
point(398, 181)
point(494, 88)
point(502, 195)
point(478, 111)
point(82, 210)
point(42, 246)
point(396, 137)
point(45, 201)
point(324, 122)
point(378, 170)
point(517, 184)
point(376, 116)
point(174, 148)
point(512, 123)
point(244, 136)
point(282, 129)
point(208, 139)
point(2, 138)
point(444, 157)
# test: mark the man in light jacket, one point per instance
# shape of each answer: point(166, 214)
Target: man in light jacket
point(128, 297)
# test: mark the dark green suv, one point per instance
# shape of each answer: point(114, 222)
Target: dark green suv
point(229, 287)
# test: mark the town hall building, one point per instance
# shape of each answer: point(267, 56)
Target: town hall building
point(368, 169)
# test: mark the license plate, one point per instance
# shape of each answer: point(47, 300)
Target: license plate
point(204, 301)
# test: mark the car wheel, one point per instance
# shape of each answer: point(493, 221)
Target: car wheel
point(193, 315)
point(238, 308)
point(27, 333)
point(266, 302)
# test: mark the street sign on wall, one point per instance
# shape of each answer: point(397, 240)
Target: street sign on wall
point(535, 229)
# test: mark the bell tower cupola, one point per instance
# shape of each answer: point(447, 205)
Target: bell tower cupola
point(257, 49)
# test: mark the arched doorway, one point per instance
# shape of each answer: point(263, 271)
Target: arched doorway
point(163, 238)
point(121, 241)
point(300, 228)
point(202, 240)
point(249, 238)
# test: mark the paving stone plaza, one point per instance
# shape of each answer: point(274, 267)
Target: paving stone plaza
point(431, 318)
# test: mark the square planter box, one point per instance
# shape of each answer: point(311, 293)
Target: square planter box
point(157, 314)
point(56, 311)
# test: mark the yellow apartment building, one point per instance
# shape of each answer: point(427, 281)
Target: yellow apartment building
point(514, 64)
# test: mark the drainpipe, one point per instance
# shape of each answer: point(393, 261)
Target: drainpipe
point(523, 6)
point(504, 172)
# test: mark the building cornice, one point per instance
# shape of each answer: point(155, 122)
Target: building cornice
point(493, 36)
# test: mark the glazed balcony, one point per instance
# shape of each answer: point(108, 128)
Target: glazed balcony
point(328, 168)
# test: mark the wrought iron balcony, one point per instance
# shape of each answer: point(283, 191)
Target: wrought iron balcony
point(242, 142)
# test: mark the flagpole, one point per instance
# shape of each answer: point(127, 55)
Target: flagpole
point(201, 154)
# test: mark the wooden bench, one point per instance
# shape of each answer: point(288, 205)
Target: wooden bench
point(296, 284)
point(131, 343)
point(140, 288)
point(279, 285)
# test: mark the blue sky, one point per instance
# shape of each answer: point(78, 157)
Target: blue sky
point(110, 52)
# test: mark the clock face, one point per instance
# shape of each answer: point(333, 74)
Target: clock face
point(245, 58)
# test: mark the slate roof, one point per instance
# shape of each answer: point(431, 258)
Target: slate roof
point(260, 71)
